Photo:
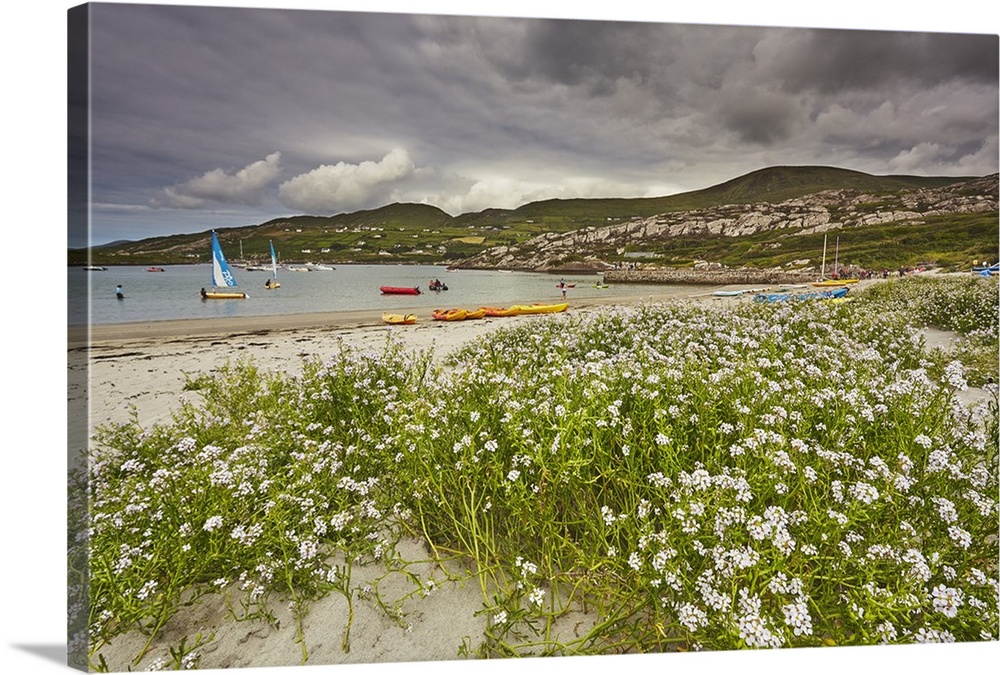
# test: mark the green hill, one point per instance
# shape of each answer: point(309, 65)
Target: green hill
point(420, 233)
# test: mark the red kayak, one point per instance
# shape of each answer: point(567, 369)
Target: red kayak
point(399, 290)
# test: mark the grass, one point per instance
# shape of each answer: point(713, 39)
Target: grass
point(761, 475)
point(419, 233)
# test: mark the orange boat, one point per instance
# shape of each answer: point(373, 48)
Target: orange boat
point(499, 311)
point(448, 314)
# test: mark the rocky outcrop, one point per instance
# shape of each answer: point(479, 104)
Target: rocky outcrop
point(826, 211)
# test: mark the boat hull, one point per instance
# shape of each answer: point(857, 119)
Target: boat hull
point(499, 311)
point(814, 295)
point(541, 309)
point(834, 282)
point(448, 314)
point(399, 319)
point(398, 290)
point(228, 295)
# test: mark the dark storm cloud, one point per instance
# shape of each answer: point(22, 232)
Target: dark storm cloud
point(834, 60)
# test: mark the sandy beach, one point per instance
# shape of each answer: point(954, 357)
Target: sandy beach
point(140, 370)
point(142, 367)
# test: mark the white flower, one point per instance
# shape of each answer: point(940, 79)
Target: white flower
point(608, 516)
point(536, 597)
point(147, 590)
point(946, 509)
point(887, 631)
point(960, 536)
point(954, 374)
point(798, 619)
point(691, 616)
point(213, 523)
point(925, 635)
point(947, 600)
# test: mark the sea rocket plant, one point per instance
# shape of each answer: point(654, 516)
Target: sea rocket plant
point(749, 476)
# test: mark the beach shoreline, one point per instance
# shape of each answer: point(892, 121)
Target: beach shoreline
point(83, 336)
point(139, 373)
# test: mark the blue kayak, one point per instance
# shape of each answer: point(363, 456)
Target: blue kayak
point(813, 295)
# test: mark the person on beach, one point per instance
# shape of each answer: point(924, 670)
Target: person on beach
point(119, 293)
point(562, 287)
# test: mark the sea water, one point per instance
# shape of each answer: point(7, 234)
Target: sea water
point(175, 292)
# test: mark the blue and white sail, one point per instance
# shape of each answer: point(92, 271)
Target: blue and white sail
point(221, 274)
point(274, 261)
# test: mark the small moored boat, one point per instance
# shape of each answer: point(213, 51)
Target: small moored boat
point(222, 276)
point(834, 282)
point(399, 290)
point(399, 319)
point(540, 308)
point(155, 269)
point(449, 314)
point(811, 295)
point(499, 311)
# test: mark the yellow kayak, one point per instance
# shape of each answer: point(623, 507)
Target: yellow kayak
point(499, 311)
point(217, 295)
point(448, 314)
point(835, 282)
point(399, 319)
point(540, 308)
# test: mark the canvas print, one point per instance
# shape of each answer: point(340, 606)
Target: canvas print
point(401, 338)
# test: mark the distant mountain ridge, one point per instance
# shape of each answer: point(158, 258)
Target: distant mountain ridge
point(421, 233)
point(967, 209)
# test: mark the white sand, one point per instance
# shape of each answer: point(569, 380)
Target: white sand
point(142, 373)
point(141, 369)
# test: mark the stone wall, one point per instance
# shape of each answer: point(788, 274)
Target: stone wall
point(707, 277)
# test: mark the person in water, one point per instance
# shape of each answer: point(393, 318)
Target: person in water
point(119, 293)
point(203, 293)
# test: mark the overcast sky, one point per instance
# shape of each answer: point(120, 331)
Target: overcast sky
point(218, 116)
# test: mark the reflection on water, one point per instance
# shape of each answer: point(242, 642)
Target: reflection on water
point(174, 293)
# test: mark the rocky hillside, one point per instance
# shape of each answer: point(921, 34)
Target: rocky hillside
point(772, 225)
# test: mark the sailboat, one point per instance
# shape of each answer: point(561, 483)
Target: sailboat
point(823, 281)
point(273, 281)
point(222, 276)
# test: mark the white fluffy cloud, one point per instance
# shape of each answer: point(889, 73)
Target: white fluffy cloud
point(343, 186)
point(244, 186)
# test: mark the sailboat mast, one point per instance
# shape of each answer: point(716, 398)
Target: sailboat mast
point(822, 273)
point(836, 258)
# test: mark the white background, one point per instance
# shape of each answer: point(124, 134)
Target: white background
point(34, 340)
